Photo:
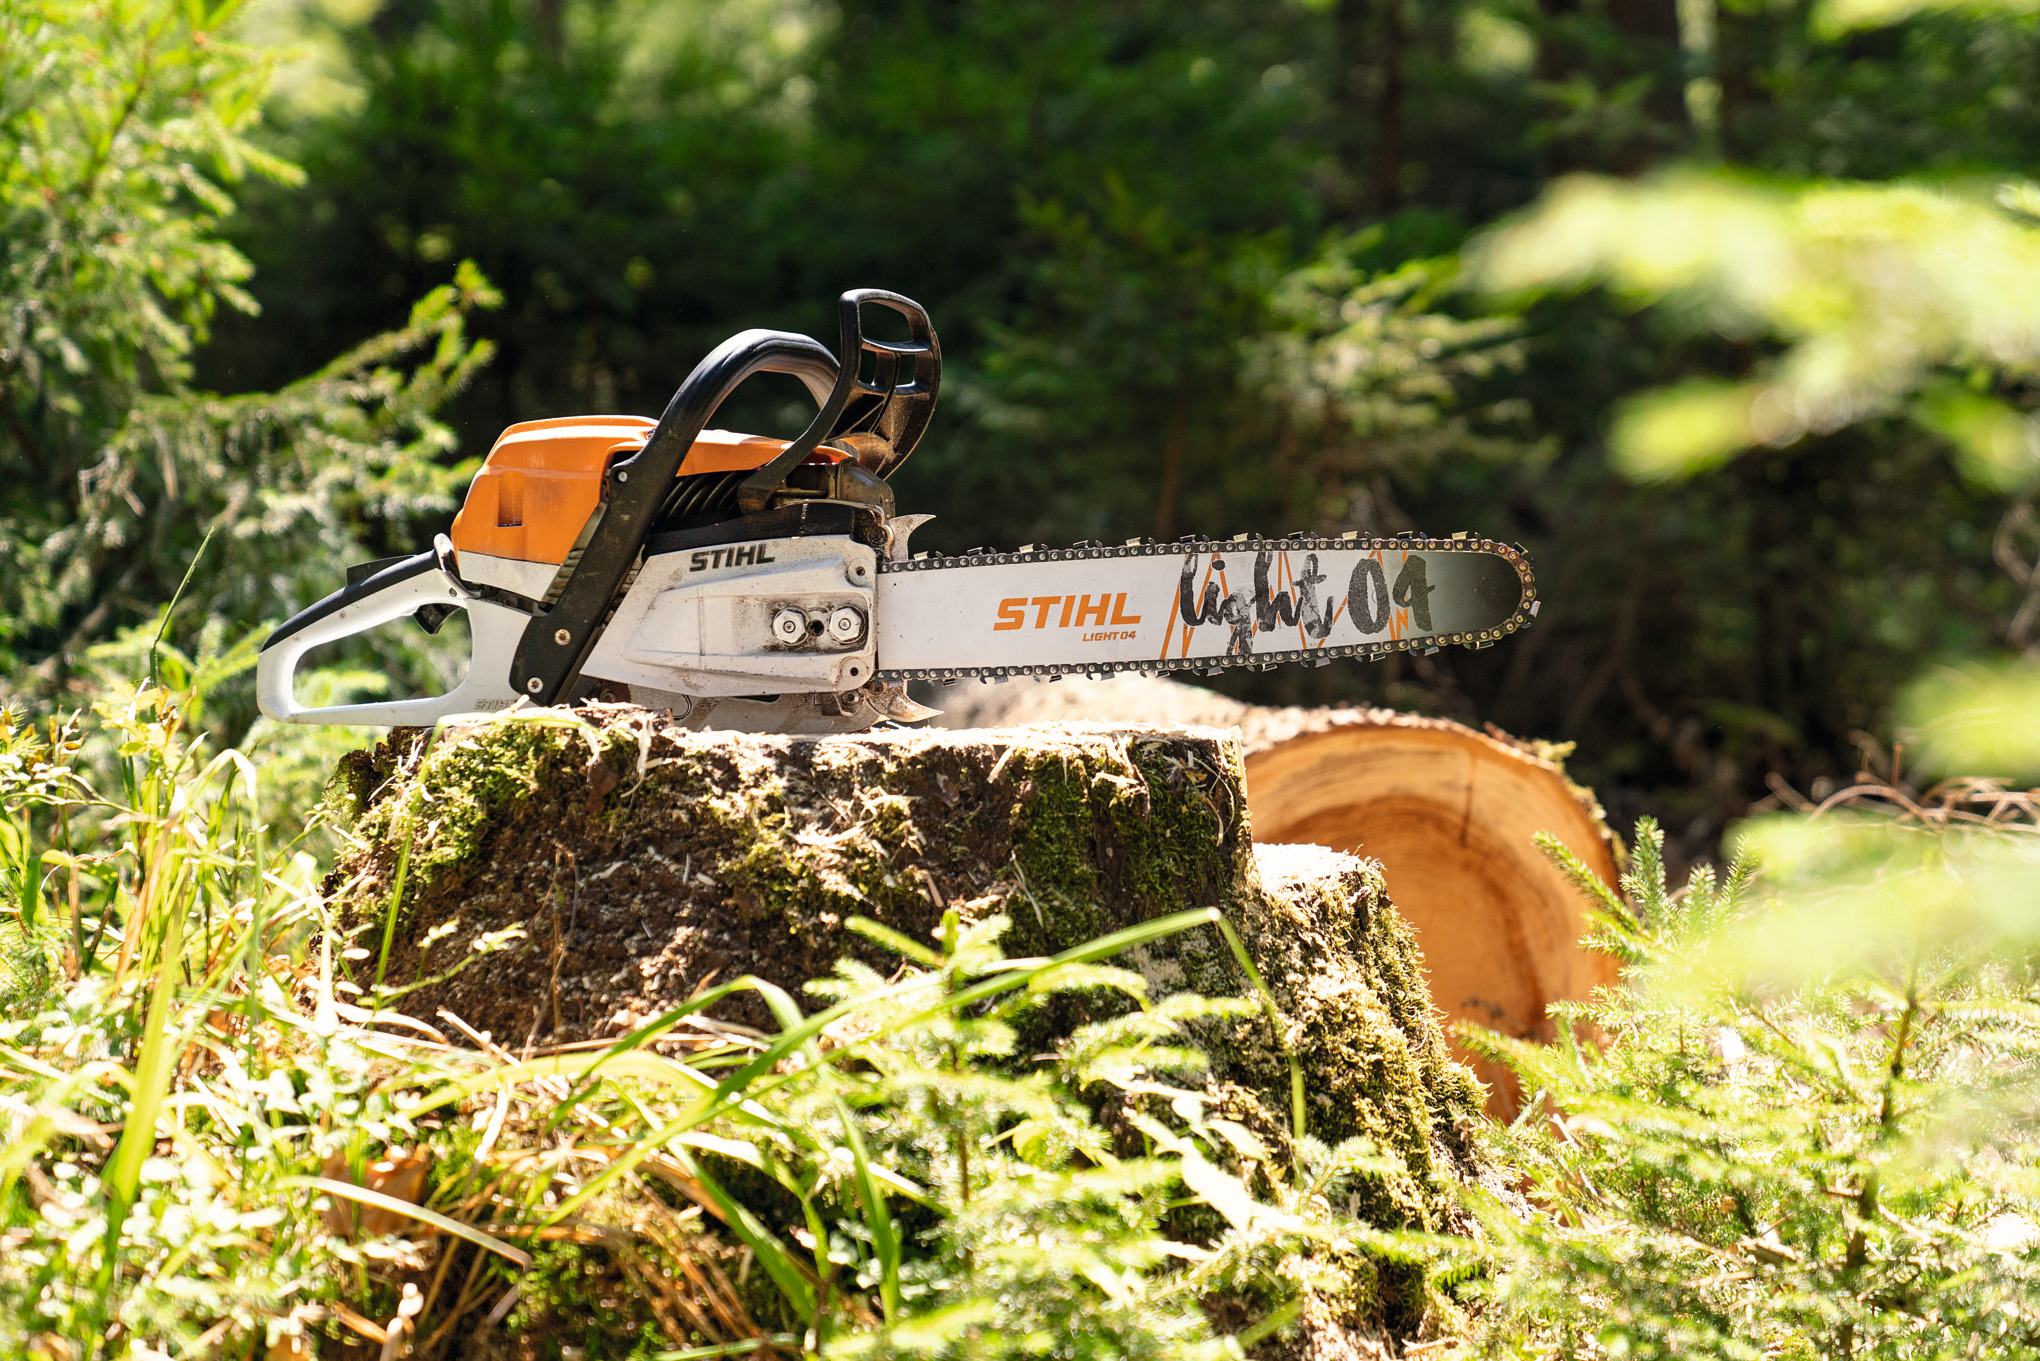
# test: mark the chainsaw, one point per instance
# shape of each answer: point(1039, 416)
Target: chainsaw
point(767, 585)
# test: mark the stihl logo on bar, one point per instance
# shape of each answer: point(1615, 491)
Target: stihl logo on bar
point(1067, 611)
point(744, 555)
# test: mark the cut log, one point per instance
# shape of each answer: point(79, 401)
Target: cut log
point(1450, 813)
point(638, 861)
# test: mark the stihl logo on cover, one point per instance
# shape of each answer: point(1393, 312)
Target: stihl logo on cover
point(748, 555)
point(766, 584)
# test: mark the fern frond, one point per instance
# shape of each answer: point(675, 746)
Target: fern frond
point(1644, 885)
point(1579, 874)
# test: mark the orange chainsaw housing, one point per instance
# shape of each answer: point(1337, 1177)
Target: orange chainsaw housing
point(542, 480)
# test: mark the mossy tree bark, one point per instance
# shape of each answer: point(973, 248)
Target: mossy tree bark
point(624, 863)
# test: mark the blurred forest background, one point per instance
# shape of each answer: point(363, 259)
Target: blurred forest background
point(1722, 308)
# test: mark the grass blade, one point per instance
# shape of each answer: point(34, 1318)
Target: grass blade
point(1239, 948)
point(885, 1238)
point(779, 1264)
point(361, 1194)
point(749, 1344)
point(152, 1080)
point(904, 946)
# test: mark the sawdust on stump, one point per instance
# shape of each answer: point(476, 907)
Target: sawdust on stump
point(624, 864)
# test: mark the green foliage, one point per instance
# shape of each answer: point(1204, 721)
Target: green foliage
point(1380, 382)
point(1845, 305)
point(1804, 1131)
point(1977, 720)
point(1885, 298)
point(1051, 1233)
point(122, 126)
point(125, 130)
point(139, 934)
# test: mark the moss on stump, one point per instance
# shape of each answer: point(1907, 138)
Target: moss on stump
point(622, 863)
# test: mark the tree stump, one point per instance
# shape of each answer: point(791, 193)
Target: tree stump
point(1449, 812)
point(639, 861)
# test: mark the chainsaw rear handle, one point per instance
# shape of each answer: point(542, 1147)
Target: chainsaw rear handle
point(402, 588)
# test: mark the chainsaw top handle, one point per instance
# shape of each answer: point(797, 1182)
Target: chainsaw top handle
point(879, 421)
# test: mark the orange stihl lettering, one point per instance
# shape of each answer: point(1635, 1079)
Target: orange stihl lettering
point(1012, 614)
point(1047, 603)
point(1087, 614)
point(1069, 603)
point(1119, 614)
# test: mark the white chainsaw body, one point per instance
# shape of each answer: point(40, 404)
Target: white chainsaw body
point(701, 631)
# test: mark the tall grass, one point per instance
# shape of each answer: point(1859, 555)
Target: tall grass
point(217, 1145)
